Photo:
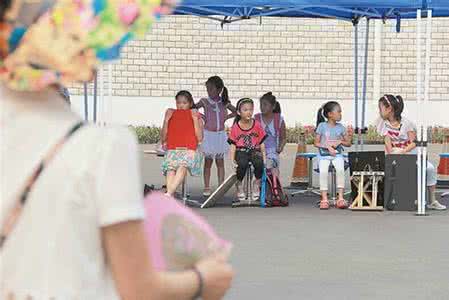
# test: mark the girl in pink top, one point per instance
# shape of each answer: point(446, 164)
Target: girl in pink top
point(247, 145)
point(215, 145)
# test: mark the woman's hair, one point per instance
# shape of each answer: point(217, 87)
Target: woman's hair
point(219, 84)
point(239, 106)
point(4, 6)
point(323, 112)
point(396, 103)
point(189, 97)
point(272, 100)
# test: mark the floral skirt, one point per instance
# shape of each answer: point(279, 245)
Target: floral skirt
point(192, 160)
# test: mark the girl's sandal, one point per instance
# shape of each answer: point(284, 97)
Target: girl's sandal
point(324, 204)
point(342, 204)
point(207, 192)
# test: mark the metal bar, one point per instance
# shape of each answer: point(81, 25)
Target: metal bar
point(363, 13)
point(356, 82)
point(365, 78)
point(426, 100)
point(86, 103)
point(419, 102)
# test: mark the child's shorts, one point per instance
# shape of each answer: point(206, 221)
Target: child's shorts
point(192, 160)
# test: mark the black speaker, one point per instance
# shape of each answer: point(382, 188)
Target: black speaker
point(401, 191)
point(367, 161)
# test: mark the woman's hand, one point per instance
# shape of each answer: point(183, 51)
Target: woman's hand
point(217, 276)
point(234, 165)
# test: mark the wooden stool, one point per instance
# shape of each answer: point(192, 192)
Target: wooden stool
point(368, 188)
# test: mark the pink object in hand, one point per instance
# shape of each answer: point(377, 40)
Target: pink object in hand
point(178, 238)
point(128, 13)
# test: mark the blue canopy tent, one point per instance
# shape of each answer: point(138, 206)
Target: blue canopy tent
point(229, 11)
point(348, 10)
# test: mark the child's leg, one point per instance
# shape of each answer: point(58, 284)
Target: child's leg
point(242, 160)
point(339, 165)
point(257, 161)
point(324, 175)
point(220, 170)
point(170, 177)
point(207, 168)
point(177, 180)
point(431, 173)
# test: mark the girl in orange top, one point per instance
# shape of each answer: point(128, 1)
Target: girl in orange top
point(181, 135)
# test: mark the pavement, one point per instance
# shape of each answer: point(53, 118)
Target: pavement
point(300, 252)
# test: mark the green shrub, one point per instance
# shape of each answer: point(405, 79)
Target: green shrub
point(147, 134)
point(439, 135)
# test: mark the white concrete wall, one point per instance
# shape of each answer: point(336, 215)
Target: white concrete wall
point(150, 110)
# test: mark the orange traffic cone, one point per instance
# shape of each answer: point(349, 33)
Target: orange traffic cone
point(300, 170)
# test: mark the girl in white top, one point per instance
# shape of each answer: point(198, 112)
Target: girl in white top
point(400, 136)
point(80, 233)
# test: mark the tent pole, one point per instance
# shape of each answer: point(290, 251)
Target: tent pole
point(377, 59)
point(426, 101)
point(420, 182)
point(86, 103)
point(109, 102)
point(101, 94)
point(95, 97)
point(365, 78)
point(356, 81)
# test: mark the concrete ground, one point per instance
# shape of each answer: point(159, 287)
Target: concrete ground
point(301, 252)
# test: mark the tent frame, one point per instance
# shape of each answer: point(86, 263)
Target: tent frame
point(422, 99)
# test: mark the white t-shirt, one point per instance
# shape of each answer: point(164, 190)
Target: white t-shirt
point(398, 135)
point(55, 250)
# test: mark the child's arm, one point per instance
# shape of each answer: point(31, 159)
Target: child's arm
point(388, 145)
point(347, 141)
point(167, 117)
point(198, 124)
point(411, 138)
point(200, 104)
point(282, 138)
point(232, 152)
point(233, 110)
point(317, 144)
point(264, 153)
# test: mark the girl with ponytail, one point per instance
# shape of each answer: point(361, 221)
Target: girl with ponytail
point(274, 125)
point(330, 138)
point(400, 135)
point(216, 111)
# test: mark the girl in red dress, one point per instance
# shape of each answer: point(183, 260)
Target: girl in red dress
point(181, 135)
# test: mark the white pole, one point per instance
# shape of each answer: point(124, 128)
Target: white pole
point(109, 101)
point(101, 98)
point(419, 103)
point(377, 59)
point(356, 83)
point(426, 101)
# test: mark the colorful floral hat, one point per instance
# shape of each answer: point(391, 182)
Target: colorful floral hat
point(48, 42)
